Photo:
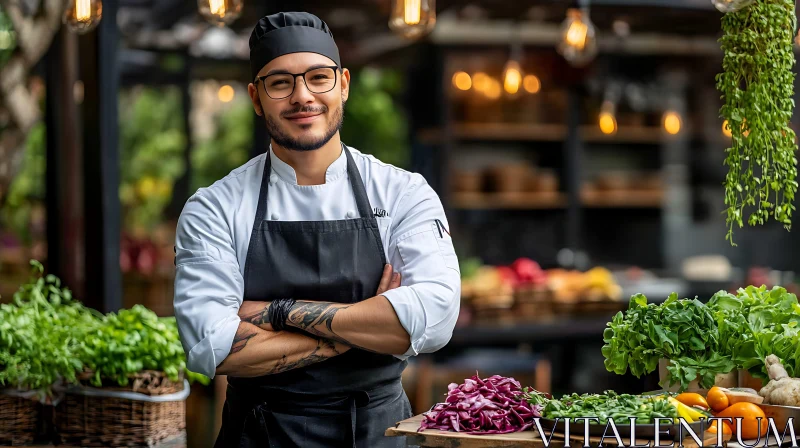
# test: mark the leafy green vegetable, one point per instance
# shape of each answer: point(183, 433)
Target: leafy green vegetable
point(681, 331)
point(40, 333)
point(757, 85)
point(757, 322)
point(46, 337)
point(610, 406)
point(131, 341)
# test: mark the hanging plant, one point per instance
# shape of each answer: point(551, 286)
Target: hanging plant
point(757, 85)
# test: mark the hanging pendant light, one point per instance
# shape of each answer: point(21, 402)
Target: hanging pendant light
point(608, 118)
point(220, 12)
point(412, 19)
point(578, 42)
point(727, 6)
point(512, 72)
point(82, 16)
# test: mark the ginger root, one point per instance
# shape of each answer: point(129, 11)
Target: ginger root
point(781, 389)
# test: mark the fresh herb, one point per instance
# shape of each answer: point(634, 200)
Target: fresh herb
point(131, 341)
point(610, 406)
point(757, 85)
point(40, 334)
point(681, 331)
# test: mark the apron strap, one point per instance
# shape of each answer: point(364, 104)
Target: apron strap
point(353, 421)
point(261, 210)
point(362, 201)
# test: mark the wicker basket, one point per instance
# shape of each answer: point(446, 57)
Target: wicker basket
point(18, 420)
point(150, 410)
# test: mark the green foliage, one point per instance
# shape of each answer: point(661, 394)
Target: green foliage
point(756, 322)
point(47, 336)
point(8, 37)
point(682, 331)
point(610, 406)
point(133, 340)
point(373, 121)
point(701, 340)
point(27, 189)
point(228, 149)
point(152, 143)
point(40, 334)
point(757, 86)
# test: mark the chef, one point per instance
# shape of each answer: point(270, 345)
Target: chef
point(310, 274)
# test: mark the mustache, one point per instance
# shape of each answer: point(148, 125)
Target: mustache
point(305, 109)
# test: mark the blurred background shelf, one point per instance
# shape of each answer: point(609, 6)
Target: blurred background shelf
point(556, 200)
point(542, 132)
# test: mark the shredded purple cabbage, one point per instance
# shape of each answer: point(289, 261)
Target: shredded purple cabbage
point(495, 405)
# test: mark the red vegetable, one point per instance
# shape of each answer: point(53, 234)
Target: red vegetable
point(493, 405)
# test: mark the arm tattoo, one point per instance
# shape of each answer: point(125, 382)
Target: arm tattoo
point(310, 316)
point(325, 349)
point(240, 340)
point(258, 318)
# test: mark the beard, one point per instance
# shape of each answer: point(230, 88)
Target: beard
point(284, 140)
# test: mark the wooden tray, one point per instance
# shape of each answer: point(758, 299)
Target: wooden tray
point(435, 438)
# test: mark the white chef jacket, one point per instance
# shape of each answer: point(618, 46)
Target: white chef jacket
point(214, 231)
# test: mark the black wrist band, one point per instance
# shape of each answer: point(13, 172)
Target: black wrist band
point(278, 313)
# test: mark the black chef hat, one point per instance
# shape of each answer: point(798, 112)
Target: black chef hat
point(290, 32)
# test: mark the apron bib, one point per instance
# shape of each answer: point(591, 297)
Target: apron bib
point(347, 400)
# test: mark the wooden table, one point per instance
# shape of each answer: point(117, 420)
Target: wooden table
point(525, 439)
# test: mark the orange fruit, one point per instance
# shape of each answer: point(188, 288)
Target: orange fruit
point(750, 414)
point(726, 428)
point(717, 399)
point(692, 399)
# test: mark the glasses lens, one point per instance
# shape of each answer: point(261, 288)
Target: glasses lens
point(279, 85)
point(321, 80)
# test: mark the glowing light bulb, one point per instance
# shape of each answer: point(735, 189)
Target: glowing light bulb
point(462, 81)
point(220, 12)
point(730, 5)
point(607, 119)
point(672, 122)
point(578, 44)
point(481, 81)
point(83, 16)
point(412, 19)
point(226, 94)
point(726, 129)
point(531, 84)
point(512, 79)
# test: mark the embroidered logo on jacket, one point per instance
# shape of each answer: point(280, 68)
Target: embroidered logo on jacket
point(380, 213)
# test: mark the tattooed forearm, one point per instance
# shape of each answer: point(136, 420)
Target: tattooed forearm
point(259, 317)
point(317, 319)
point(241, 338)
point(325, 349)
point(307, 315)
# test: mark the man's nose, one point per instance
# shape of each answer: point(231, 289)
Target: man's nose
point(301, 93)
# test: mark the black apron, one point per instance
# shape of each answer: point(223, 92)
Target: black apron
point(348, 400)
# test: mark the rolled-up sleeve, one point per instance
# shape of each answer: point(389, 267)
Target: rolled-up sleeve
point(208, 284)
point(428, 301)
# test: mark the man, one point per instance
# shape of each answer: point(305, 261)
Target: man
point(311, 273)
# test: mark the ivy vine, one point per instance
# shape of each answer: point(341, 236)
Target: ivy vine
point(757, 85)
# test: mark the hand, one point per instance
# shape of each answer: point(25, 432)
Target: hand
point(389, 280)
point(255, 313)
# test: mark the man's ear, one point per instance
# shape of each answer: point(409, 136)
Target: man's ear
point(345, 84)
point(253, 92)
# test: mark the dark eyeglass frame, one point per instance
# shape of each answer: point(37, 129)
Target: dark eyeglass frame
point(294, 76)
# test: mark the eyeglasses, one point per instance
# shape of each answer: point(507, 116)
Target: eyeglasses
point(281, 85)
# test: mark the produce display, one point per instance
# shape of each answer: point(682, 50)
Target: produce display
point(611, 406)
point(781, 389)
point(524, 282)
point(48, 338)
point(731, 331)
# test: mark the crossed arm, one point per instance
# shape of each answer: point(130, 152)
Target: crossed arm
point(331, 329)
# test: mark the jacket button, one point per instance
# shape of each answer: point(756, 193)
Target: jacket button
point(351, 214)
point(273, 179)
point(274, 217)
